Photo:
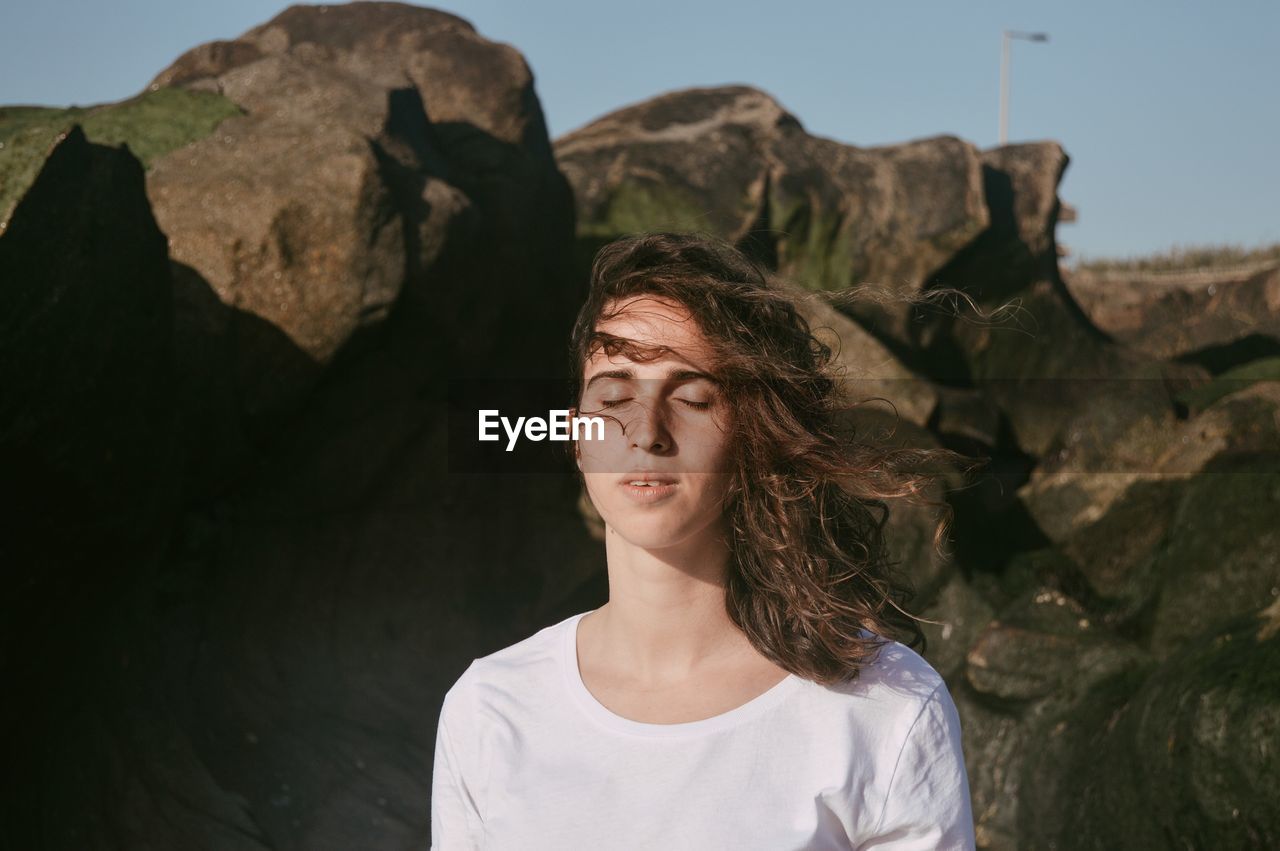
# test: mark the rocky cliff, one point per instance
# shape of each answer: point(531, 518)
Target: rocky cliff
point(241, 573)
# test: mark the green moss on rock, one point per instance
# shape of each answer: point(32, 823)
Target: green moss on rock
point(152, 124)
point(636, 206)
point(816, 252)
point(1235, 379)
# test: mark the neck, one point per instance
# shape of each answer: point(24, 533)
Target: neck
point(665, 620)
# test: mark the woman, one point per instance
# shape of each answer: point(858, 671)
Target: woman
point(738, 690)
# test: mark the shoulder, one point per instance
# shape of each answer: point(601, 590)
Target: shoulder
point(890, 693)
point(897, 675)
point(520, 669)
point(904, 752)
point(924, 785)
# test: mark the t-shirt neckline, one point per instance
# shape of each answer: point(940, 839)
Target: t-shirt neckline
point(605, 717)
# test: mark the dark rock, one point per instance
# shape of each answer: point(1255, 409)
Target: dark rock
point(1019, 189)
point(825, 215)
point(967, 415)
point(868, 371)
point(1040, 661)
point(1045, 646)
point(1111, 441)
point(1187, 315)
point(89, 449)
point(995, 745)
point(1125, 435)
point(1235, 379)
point(1117, 553)
point(1186, 761)
point(267, 672)
point(87, 419)
point(1027, 572)
point(1222, 555)
point(963, 613)
point(1041, 365)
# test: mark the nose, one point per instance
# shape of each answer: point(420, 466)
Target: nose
point(647, 429)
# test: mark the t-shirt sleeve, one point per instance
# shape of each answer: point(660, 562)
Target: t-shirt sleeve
point(455, 813)
point(927, 805)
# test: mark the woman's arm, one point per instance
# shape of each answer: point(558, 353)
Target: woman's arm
point(927, 805)
point(455, 815)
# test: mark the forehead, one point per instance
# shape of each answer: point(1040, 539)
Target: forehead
point(653, 320)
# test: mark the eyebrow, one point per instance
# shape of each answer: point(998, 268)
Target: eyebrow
point(674, 374)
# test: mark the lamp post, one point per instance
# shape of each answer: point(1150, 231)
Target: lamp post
point(1005, 38)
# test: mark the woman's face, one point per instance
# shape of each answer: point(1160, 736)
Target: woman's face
point(671, 428)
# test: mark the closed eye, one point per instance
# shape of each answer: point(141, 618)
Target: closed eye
point(609, 403)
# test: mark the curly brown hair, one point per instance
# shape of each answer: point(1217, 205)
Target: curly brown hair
point(809, 580)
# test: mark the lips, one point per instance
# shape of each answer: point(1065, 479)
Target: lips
point(645, 486)
point(649, 477)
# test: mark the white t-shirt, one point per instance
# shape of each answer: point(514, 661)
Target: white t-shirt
point(527, 759)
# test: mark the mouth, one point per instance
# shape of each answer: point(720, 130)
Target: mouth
point(648, 487)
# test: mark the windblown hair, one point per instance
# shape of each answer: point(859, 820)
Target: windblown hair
point(809, 579)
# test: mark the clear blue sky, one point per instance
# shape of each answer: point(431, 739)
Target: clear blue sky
point(1168, 109)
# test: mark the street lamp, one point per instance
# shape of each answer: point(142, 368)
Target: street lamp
point(1007, 36)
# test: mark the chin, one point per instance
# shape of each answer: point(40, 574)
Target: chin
point(654, 535)
point(648, 537)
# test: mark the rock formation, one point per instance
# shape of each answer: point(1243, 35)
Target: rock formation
point(243, 564)
point(1213, 317)
point(245, 572)
point(1122, 530)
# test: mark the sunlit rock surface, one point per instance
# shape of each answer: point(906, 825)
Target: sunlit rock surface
point(241, 571)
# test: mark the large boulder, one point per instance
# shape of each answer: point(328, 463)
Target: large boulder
point(1187, 759)
point(1041, 659)
point(375, 137)
point(1102, 625)
point(285, 212)
point(1118, 439)
point(1041, 364)
point(1019, 244)
point(825, 215)
point(1024, 341)
point(376, 217)
point(866, 368)
point(1223, 545)
point(1217, 317)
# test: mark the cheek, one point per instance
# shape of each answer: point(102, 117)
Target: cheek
point(706, 491)
point(605, 444)
point(709, 453)
point(600, 487)
point(712, 488)
point(599, 457)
